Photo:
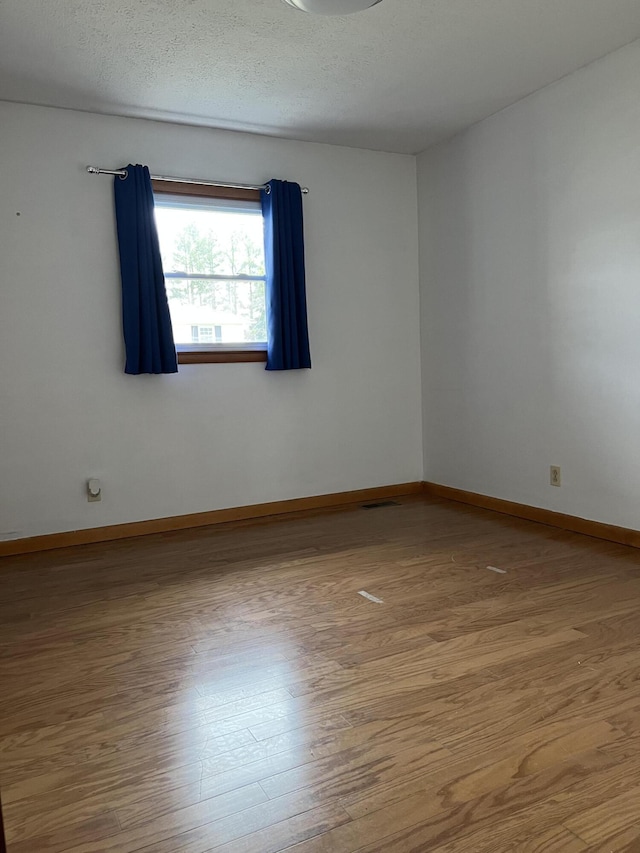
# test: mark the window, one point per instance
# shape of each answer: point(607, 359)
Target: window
point(212, 247)
point(206, 334)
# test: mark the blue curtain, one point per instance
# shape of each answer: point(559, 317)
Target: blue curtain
point(287, 333)
point(148, 336)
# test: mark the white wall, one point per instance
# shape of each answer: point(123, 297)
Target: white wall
point(530, 298)
point(214, 435)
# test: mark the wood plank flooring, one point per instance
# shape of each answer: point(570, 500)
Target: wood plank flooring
point(228, 689)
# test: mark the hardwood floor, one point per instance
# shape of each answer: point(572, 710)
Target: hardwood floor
point(228, 689)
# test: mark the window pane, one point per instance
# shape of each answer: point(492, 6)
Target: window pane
point(203, 236)
point(228, 312)
point(200, 240)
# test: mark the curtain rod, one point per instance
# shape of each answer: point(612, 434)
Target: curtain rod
point(122, 173)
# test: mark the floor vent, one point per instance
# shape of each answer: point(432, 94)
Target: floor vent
point(380, 504)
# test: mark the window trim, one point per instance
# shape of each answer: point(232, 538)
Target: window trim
point(218, 353)
point(220, 356)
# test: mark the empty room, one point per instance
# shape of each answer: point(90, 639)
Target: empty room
point(319, 412)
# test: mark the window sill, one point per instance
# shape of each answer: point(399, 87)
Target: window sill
point(221, 356)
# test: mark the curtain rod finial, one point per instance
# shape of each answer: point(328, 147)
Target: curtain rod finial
point(93, 170)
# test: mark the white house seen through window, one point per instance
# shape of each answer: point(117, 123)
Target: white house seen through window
point(213, 259)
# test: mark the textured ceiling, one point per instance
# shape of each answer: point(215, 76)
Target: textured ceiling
point(396, 77)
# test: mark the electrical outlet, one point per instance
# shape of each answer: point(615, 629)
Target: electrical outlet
point(94, 490)
point(554, 475)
